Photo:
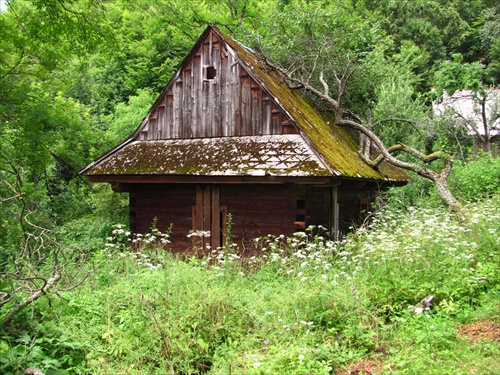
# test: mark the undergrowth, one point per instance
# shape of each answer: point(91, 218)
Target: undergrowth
point(305, 305)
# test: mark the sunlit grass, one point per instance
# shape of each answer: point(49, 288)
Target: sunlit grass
point(305, 305)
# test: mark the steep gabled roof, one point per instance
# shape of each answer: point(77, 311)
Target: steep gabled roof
point(318, 149)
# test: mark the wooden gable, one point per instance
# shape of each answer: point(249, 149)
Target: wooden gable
point(213, 94)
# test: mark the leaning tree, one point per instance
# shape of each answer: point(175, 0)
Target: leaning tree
point(326, 53)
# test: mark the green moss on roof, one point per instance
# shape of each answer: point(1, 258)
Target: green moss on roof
point(283, 155)
point(329, 140)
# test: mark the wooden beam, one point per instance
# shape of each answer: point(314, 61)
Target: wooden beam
point(145, 179)
point(215, 230)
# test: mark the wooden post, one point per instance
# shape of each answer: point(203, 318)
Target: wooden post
point(335, 212)
point(215, 230)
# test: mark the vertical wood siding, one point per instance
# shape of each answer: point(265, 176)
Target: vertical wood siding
point(229, 104)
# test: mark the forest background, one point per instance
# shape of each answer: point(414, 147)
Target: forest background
point(78, 76)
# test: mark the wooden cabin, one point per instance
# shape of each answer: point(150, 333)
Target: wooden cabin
point(228, 137)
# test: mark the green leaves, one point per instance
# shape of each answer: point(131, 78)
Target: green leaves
point(456, 74)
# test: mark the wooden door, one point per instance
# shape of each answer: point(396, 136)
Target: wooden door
point(209, 219)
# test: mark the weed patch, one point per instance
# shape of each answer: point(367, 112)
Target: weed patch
point(306, 305)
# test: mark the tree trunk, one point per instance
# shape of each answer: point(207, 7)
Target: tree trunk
point(441, 184)
point(439, 179)
point(369, 137)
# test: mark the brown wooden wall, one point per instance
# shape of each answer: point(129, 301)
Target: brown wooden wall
point(257, 210)
point(318, 201)
point(354, 203)
point(169, 204)
point(214, 96)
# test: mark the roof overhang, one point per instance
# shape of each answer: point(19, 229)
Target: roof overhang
point(257, 156)
point(123, 183)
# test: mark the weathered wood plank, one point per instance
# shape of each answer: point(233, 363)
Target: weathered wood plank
point(196, 95)
point(207, 198)
point(230, 103)
point(199, 209)
point(216, 224)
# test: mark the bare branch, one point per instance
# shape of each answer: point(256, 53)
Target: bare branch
point(470, 125)
point(26, 273)
point(33, 297)
point(324, 83)
point(316, 58)
point(287, 77)
point(410, 150)
point(14, 191)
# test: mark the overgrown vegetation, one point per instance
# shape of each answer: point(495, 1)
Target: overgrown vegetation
point(304, 305)
point(75, 79)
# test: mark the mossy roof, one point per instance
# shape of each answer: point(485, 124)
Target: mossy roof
point(283, 155)
point(331, 141)
point(330, 150)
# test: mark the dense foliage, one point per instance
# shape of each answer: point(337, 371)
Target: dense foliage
point(305, 305)
point(77, 76)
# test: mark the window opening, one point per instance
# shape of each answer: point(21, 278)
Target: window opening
point(300, 217)
point(211, 72)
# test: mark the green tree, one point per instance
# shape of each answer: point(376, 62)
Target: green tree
point(324, 57)
point(45, 137)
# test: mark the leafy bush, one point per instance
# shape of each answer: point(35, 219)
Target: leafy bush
point(476, 179)
point(48, 350)
point(305, 305)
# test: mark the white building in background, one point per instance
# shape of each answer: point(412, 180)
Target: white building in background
point(463, 106)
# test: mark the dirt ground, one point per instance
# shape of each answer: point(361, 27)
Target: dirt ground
point(486, 330)
point(365, 367)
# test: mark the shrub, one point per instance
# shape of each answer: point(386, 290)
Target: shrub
point(477, 179)
point(306, 305)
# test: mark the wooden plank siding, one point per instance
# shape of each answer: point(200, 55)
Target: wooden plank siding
point(353, 205)
point(257, 210)
point(231, 103)
point(165, 204)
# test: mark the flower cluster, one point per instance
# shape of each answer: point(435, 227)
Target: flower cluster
point(147, 250)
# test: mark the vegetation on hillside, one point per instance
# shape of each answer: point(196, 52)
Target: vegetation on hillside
point(305, 305)
point(77, 76)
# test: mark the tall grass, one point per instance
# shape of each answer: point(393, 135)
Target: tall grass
point(306, 305)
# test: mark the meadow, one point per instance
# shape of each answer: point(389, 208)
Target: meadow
point(307, 304)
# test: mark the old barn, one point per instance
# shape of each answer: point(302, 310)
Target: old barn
point(226, 136)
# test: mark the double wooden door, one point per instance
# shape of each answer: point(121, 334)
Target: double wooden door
point(209, 219)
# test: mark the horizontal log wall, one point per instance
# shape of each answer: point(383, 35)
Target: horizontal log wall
point(169, 204)
point(214, 96)
point(257, 210)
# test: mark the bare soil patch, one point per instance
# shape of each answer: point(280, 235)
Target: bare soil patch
point(486, 330)
point(363, 367)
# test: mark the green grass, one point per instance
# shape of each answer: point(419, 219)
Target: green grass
point(307, 305)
